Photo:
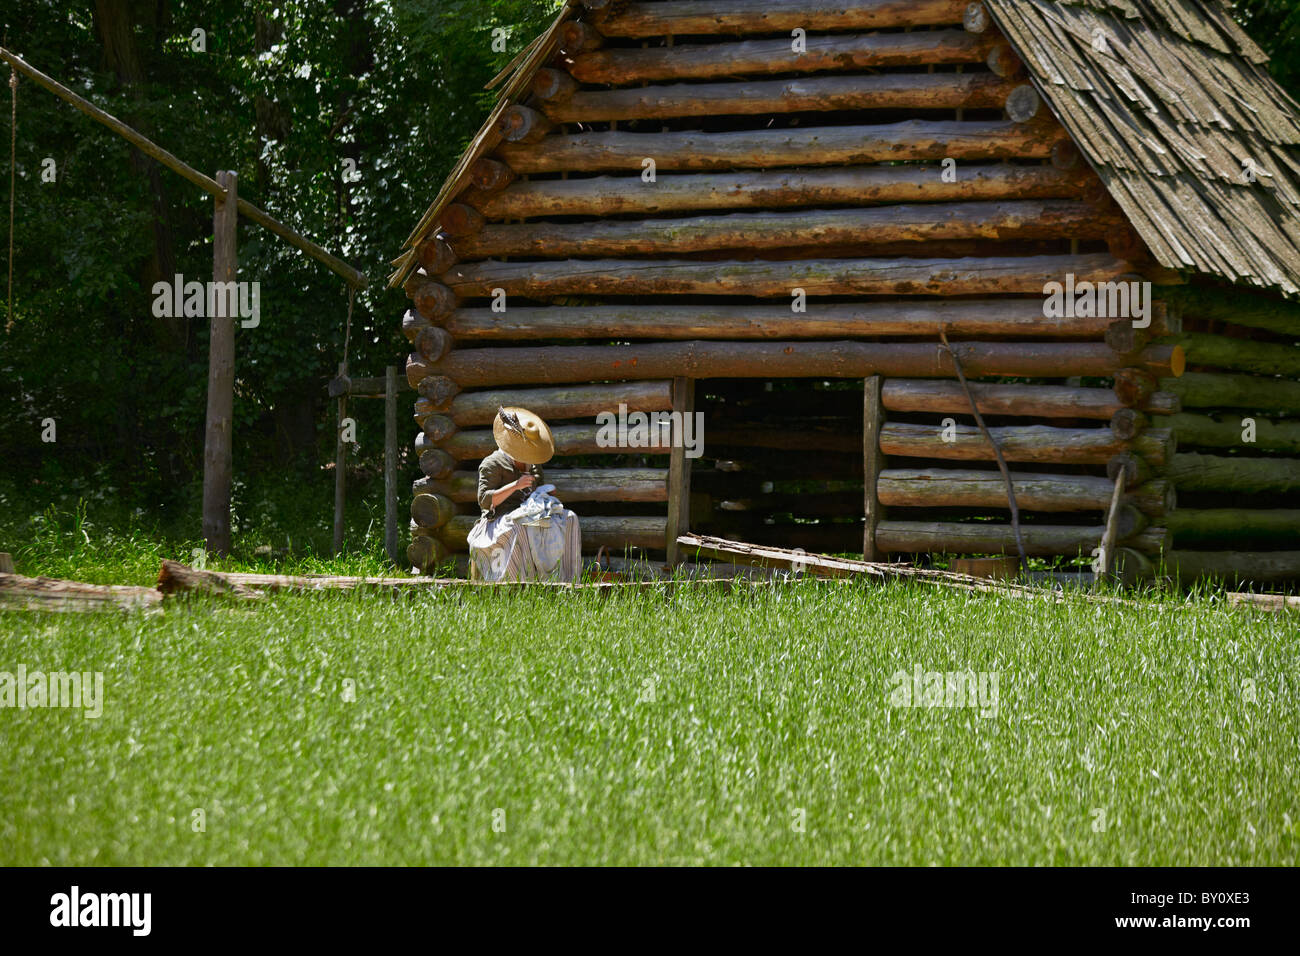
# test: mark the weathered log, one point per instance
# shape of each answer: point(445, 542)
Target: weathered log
point(554, 87)
point(417, 369)
point(1135, 386)
point(1241, 567)
point(1003, 61)
point(21, 593)
point(1124, 338)
point(433, 343)
point(1030, 401)
point(1128, 423)
point(1024, 105)
point(433, 299)
point(705, 17)
point(920, 537)
point(972, 276)
point(488, 176)
point(1229, 430)
point(459, 220)
point(583, 401)
point(1066, 156)
point(577, 37)
point(963, 488)
point(797, 146)
point(902, 91)
point(792, 359)
point(1223, 390)
point(778, 188)
point(436, 255)
point(1126, 244)
point(413, 323)
point(809, 228)
point(1220, 527)
point(1238, 306)
point(1196, 472)
point(975, 18)
point(436, 427)
point(1239, 355)
point(1134, 468)
point(520, 124)
point(597, 531)
point(1037, 443)
point(571, 484)
point(436, 463)
point(569, 440)
point(704, 61)
point(438, 390)
point(1019, 318)
point(424, 552)
point(432, 510)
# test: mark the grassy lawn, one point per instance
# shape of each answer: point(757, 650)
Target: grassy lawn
point(692, 727)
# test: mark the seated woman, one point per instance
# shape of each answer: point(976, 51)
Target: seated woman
point(522, 536)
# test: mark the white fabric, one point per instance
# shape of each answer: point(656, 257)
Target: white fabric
point(538, 541)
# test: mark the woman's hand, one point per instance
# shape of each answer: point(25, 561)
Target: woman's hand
point(524, 482)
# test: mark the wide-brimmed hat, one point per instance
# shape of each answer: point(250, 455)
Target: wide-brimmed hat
point(523, 436)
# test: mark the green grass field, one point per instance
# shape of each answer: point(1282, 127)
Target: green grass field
point(688, 727)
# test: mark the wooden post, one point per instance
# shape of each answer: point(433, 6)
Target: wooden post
point(395, 555)
point(340, 466)
point(679, 471)
point(217, 446)
point(873, 419)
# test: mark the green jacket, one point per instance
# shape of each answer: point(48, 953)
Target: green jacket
point(496, 472)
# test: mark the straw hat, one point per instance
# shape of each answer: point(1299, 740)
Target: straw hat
point(523, 436)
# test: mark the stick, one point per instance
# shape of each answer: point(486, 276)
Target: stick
point(1002, 465)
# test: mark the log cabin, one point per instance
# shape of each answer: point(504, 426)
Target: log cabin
point(885, 248)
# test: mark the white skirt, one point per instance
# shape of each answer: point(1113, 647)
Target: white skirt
point(504, 549)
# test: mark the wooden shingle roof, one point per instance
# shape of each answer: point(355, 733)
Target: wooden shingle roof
point(1173, 106)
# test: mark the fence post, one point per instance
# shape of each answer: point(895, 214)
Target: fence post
point(217, 445)
point(390, 467)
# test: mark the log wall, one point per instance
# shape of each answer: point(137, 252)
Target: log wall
point(682, 195)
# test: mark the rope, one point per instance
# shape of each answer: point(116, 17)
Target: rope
point(13, 172)
point(997, 452)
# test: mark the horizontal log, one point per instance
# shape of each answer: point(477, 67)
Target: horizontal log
point(432, 510)
point(1239, 355)
point(932, 140)
point(921, 537)
point(1020, 318)
point(1030, 401)
point(554, 364)
point(571, 484)
point(1202, 527)
point(1238, 306)
point(1228, 430)
point(1191, 471)
point(958, 488)
point(805, 228)
point(437, 390)
point(21, 593)
point(1224, 390)
point(569, 440)
point(778, 188)
point(424, 552)
point(705, 61)
point(893, 91)
point(598, 531)
point(583, 401)
point(1038, 443)
point(708, 17)
point(1242, 567)
point(970, 276)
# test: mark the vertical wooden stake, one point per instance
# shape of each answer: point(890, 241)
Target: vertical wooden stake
point(1106, 562)
point(217, 443)
point(340, 467)
point(873, 419)
point(390, 467)
point(679, 472)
